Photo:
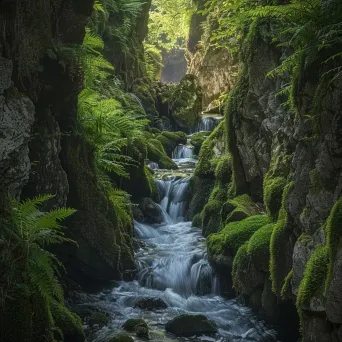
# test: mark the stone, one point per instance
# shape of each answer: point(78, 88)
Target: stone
point(151, 211)
point(190, 325)
point(132, 324)
point(98, 318)
point(150, 304)
point(121, 338)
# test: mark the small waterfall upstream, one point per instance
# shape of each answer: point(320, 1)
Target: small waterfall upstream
point(208, 123)
point(173, 266)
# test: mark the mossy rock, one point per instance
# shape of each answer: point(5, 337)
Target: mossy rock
point(132, 324)
point(224, 172)
point(197, 221)
point(258, 247)
point(170, 140)
point(98, 318)
point(186, 102)
point(197, 140)
point(150, 304)
point(234, 235)
point(156, 153)
point(208, 160)
point(121, 338)
point(273, 193)
point(69, 323)
point(211, 218)
point(200, 189)
point(190, 325)
point(238, 209)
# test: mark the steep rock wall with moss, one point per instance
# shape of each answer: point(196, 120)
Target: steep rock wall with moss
point(288, 168)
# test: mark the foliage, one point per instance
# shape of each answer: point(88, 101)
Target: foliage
point(273, 192)
point(31, 269)
point(169, 23)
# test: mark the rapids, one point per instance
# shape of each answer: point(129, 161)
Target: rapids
point(172, 265)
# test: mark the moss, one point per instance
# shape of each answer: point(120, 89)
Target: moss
point(200, 189)
point(186, 101)
point(197, 140)
point(259, 247)
point(241, 265)
point(286, 289)
point(208, 160)
point(132, 324)
point(333, 233)
point(273, 192)
point(156, 153)
point(121, 338)
point(170, 140)
point(223, 171)
point(155, 130)
point(211, 219)
point(280, 236)
point(238, 209)
point(98, 318)
point(315, 275)
point(68, 323)
point(234, 235)
point(197, 221)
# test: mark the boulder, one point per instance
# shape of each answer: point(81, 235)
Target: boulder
point(190, 325)
point(137, 325)
point(151, 211)
point(121, 338)
point(150, 304)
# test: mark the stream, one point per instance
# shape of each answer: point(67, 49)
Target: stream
point(172, 266)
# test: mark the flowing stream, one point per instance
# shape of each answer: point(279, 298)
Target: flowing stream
point(173, 266)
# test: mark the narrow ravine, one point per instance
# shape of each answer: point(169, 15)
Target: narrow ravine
point(173, 267)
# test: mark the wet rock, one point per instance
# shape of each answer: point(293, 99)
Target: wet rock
point(121, 338)
point(142, 332)
point(98, 318)
point(151, 211)
point(189, 325)
point(132, 324)
point(150, 304)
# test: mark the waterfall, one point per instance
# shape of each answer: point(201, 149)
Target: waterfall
point(183, 151)
point(207, 124)
point(172, 266)
point(174, 194)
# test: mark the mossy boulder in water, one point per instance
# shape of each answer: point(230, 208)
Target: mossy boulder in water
point(98, 318)
point(132, 324)
point(197, 140)
point(186, 102)
point(121, 338)
point(190, 325)
point(170, 140)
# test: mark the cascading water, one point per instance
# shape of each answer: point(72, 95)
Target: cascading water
point(207, 124)
point(173, 266)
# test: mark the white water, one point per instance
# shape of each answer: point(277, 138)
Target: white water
point(207, 124)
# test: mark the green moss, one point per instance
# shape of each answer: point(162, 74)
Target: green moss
point(315, 275)
point(98, 318)
point(333, 233)
point(200, 189)
point(273, 192)
point(133, 324)
point(170, 140)
point(207, 161)
point(241, 265)
point(286, 289)
point(234, 235)
point(211, 218)
point(155, 130)
point(197, 140)
point(121, 338)
point(156, 153)
point(186, 101)
point(259, 247)
point(238, 209)
point(280, 236)
point(68, 323)
point(223, 172)
point(197, 221)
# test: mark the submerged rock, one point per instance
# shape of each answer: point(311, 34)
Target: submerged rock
point(137, 325)
point(189, 325)
point(150, 304)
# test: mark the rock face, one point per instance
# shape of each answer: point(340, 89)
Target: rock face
point(292, 172)
point(190, 325)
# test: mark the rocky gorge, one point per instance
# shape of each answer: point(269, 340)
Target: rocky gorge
point(205, 210)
